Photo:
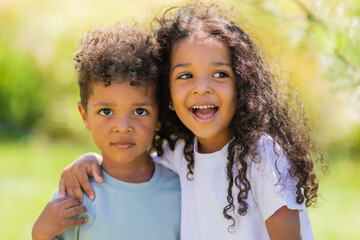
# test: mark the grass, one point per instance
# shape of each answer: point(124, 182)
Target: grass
point(30, 171)
point(338, 213)
point(29, 175)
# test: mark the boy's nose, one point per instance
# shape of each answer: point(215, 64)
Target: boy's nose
point(202, 85)
point(123, 125)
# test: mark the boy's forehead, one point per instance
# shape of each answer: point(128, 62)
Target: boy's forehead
point(122, 87)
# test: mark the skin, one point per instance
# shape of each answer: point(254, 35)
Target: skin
point(56, 218)
point(200, 75)
point(122, 120)
point(284, 224)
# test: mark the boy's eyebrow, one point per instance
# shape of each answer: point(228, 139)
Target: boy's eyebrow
point(104, 104)
point(107, 104)
point(141, 104)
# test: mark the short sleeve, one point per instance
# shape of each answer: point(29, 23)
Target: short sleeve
point(56, 194)
point(271, 183)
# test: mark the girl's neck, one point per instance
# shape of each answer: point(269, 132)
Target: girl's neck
point(211, 145)
point(137, 171)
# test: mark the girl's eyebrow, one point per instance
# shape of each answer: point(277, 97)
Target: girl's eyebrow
point(221, 64)
point(188, 64)
point(179, 65)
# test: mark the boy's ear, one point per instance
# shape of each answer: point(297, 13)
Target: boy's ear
point(83, 115)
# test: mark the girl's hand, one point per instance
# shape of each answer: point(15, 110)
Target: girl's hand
point(56, 218)
point(284, 224)
point(77, 174)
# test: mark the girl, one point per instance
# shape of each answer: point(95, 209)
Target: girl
point(245, 165)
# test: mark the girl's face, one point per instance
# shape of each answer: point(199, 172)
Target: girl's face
point(202, 86)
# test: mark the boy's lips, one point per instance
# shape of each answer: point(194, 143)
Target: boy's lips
point(123, 144)
point(204, 113)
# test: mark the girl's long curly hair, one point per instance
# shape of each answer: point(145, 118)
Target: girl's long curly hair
point(263, 104)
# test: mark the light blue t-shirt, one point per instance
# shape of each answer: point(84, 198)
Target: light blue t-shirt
point(122, 210)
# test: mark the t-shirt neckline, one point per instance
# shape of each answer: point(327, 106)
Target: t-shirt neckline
point(118, 184)
point(207, 159)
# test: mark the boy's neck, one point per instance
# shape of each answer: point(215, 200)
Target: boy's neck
point(132, 172)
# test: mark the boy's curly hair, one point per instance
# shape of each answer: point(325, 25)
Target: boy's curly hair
point(116, 54)
point(261, 107)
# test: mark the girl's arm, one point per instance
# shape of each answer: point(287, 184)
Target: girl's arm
point(76, 176)
point(56, 218)
point(284, 224)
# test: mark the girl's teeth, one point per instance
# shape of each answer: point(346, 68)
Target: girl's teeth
point(202, 107)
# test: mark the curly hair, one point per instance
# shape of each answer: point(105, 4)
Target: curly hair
point(117, 54)
point(264, 103)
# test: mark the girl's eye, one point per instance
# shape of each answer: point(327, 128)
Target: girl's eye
point(221, 75)
point(140, 112)
point(185, 76)
point(106, 112)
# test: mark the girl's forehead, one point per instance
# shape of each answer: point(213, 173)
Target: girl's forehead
point(197, 39)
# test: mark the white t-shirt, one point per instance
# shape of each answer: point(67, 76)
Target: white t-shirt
point(204, 198)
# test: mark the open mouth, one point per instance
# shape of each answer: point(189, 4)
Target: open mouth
point(204, 112)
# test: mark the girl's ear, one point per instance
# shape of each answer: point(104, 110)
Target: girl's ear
point(158, 126)
point(83, 115)
point(171, 106)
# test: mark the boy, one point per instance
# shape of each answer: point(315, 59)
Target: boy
point(138, 198)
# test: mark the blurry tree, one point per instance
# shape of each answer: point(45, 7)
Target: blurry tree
point(22, 90)
point(312, 41)
point(321, 41)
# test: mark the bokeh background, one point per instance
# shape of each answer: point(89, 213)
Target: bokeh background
point(314, 44)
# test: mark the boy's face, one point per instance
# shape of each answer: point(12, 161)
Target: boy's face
point(122, 119)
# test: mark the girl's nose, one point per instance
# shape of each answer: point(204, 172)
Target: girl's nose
point(123, 125)
point(202, 86)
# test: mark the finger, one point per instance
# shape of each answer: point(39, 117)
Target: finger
point(74, 188)
point(69, 191)
point(61, 199)
point(69, 202)
point(70, 212)
point(62, 187)
point(97, 173)
point(77, 190)
point(75, 221)
point(68, 179)
point(84, 181)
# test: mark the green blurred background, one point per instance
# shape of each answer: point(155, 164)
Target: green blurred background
point(316, 45)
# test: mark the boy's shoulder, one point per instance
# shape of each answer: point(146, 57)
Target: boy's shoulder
point(166, 175)
point(165, 172)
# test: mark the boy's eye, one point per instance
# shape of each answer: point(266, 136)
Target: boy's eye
point(220, 75)
point(185, 76)
point(106, 112)
point(140, 112)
